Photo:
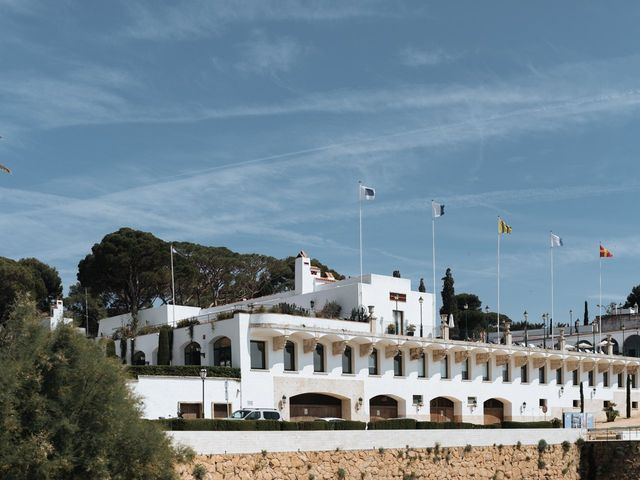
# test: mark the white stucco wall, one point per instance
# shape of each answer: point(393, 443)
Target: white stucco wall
point(161, 395)
point(211, 443)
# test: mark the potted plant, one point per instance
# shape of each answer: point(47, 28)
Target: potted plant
point(391, 328)
point(410, 329)
point(611, 412)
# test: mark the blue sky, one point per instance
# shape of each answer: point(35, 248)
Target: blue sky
point(249, 124)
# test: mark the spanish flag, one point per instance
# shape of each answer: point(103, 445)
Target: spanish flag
point(605, 253)
point(503, 227)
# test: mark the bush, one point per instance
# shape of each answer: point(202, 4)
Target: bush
point(68, 411)
point(187, 322)
point(289, 309)
point(110, 348)
point(349, 425)
point(331, 310)
point(199, 471)
point(182, 371)
point(394, 424)
point(452, 425)
point(147, 329)
point(542, 446)
point(314, 426)
point(208, 424)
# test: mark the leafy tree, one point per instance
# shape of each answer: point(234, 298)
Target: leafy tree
point(50, 281)
point(585, 317)
point(66, 410)
point(470, 300)
point(79, 308)
point(633, 298)
point(27, 276)
point(128, 270)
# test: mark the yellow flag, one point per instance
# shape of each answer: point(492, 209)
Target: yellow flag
point(503, 227)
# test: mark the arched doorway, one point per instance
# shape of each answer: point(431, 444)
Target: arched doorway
point(631, 346)
point(441, 410)
point(308, 406)
point(493, 411)
point(222, 352)
point(139, 358)
point(383, 406)
point(192, 354)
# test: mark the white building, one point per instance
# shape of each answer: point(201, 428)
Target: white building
point(56, 317)
point(309, 366)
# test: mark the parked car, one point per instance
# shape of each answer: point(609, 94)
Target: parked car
point(328, 419)
point(255, 414)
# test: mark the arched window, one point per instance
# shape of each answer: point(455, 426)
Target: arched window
point(318, 358)
point(347, 360)
point(397, 365)
point(373, 362)
point(192, 354)
point(290, 356)
point(222, 352)
point(139, 358)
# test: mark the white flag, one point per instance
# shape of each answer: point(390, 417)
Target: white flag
point(438, 209)
point(556, 241)
point(367, 193)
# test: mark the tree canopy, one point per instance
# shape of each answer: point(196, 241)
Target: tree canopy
point(27, 276)
point(129, 270)
point(66, 411)
point(633, 298)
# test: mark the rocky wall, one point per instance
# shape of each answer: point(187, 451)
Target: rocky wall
point(460, 463)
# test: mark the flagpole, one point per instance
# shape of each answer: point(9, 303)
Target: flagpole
point(551, 323)
point(433, 262)
point(360, 216)
point(173, 288)
point(499, 235)
point(600, 306)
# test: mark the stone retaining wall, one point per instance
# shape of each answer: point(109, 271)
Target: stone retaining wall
point(453, 463)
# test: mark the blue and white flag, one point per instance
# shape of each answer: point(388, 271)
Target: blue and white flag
point(556, 241)
point(367, 193)
point(438, 209)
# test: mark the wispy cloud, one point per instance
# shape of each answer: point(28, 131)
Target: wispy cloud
point(414, 57)
point(189, 19)
point(263, 55)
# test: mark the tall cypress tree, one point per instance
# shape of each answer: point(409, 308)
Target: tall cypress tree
point(581, 397)
point(163, 347)
point(586, 313)
point(628, 396)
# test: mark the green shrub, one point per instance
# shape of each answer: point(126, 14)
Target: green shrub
point(286, 426)
point(110, 348)
point(289, 309)
point(187, 322)
point(314, 426)
point(541, 424)
point(331, 310)
point(342, 473)
point(394, 424)
point(542, 446)
point(147, 329)
point(199, 471)
point(349, 425)
point(225, 315)
point(566, 446)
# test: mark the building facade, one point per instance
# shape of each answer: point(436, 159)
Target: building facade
point(373, 365)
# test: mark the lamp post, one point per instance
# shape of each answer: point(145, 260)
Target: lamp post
point(203, 375)
point(421, 301)
point(486, 321)
point(526, 329)
point(466, 322)
point(545, 317)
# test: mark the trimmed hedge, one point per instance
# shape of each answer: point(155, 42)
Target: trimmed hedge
point(182, 371)
point(394, 424)
point(542, 424)
point(207, 424)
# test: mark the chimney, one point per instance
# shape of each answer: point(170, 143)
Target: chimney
point(304, 280)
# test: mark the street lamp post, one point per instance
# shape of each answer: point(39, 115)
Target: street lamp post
point(203, 375)
point(421, 301)
point(526, 329)
point(544, 330)
point(486, 321)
